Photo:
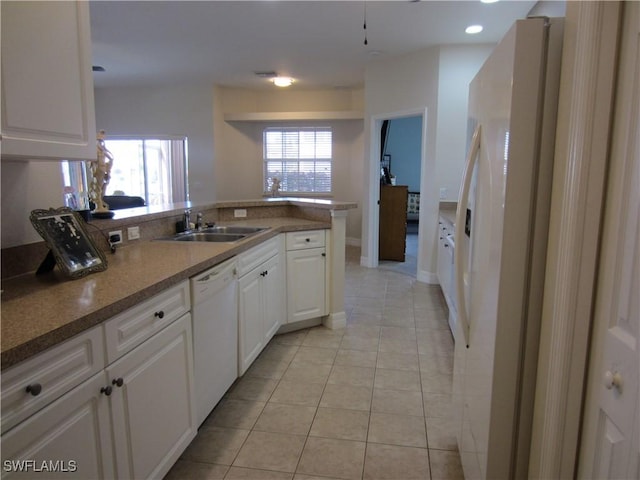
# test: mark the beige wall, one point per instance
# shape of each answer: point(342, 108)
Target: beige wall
point(27, 186)
point(238, 145)
point(394, 87)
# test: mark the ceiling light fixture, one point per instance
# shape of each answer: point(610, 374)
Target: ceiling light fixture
point(489, 1)
point(266, 73)
point(282, 81)
point(473, 29)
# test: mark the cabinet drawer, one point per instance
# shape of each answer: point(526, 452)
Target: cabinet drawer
point(55, 371)
point(305, 239)
point(250, 259)
point(132, 327)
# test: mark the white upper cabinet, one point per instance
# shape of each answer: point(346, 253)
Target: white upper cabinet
point(48, 109)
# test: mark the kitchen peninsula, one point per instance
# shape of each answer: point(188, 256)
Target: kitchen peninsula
point(40, 312)
point(107, 365)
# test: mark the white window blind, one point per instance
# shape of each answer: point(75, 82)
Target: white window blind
point(299, 157)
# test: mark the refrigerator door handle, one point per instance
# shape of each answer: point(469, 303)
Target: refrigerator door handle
point(463, 200)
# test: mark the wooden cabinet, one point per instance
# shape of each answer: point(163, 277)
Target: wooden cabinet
point(47, 81)
point(306, 275)
point(72, 436)
point(393, 222)
point(152, 403)
point(261, 299)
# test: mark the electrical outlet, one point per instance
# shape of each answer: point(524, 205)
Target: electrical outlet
point(240, 213)
point(133, 233)
point(115, 237)
point(443, 193)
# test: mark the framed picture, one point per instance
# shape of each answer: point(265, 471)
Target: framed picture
point(386, 161)
point(70, 245)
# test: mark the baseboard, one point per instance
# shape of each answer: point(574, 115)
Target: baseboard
point(335, 320)
point(427, 277)
point(364, 262)
point(292, 327)
point(353, 242)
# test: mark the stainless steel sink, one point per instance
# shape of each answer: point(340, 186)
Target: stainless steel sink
point(207, 237)
point(231, 229)
point(215, 234)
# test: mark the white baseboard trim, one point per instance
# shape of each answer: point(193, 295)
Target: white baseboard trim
point(427, 277)
point(335, 320)
point(353, 242)
point(364, 262)
point(292, 327)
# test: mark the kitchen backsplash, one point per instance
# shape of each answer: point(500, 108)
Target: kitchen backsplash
point(24, 259)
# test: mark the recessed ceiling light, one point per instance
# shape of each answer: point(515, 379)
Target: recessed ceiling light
point(472, 29)
point(266, 73)
point(489, 1)
point(282, 81)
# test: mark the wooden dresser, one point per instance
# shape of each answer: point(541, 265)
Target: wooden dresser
point(393, 222)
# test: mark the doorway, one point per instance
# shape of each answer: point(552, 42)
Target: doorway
point(400, 155)
point(377, 122)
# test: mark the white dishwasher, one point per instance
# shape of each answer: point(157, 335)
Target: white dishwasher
point(214, 301)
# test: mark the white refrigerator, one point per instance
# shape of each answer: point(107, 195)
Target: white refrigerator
point(501, 237)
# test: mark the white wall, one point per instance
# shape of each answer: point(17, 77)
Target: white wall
point(434, 80)
point(27, 186)
point(238, 145)
point(179, 110)
point(400, 87)
point(458, 65)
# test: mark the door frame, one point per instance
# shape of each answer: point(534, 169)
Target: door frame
point(375, 125)
point(581, 158)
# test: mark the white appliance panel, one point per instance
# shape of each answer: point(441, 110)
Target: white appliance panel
point(506, 101)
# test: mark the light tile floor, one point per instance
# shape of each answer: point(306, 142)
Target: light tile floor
point(367, 402)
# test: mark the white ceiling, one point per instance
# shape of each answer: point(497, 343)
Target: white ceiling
point(320, 43)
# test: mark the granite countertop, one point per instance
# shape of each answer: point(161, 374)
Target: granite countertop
point(40, 312)
point(159, 211)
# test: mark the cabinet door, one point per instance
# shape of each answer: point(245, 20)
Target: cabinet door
point(47, 84)
point(250, 318)
point(153, 409)
point(305, 284)
point(71, 437)
point(273, 297)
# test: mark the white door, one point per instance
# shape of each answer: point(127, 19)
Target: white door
point(70, 438)
point(611, 448)
point(152, 404)
point(273, 297)
point(250, 318)
point(305, 284)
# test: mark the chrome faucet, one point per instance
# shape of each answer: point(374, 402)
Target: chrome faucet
point(187, 220)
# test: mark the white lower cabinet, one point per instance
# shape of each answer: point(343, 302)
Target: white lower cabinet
point(152, 402)
point(306, 275)
point(261, 303)
point(74, 415)
point(69, 438)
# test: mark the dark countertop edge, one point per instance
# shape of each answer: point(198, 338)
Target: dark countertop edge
point(24, 351)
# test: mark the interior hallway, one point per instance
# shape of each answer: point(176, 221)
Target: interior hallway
point(370, 401)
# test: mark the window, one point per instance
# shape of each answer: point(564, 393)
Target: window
point(152, 168)
point(299, 157)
